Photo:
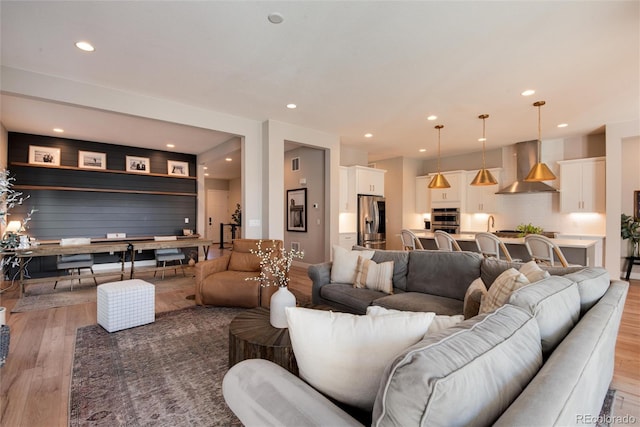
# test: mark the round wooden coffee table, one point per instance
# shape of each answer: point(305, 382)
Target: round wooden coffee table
point(251, 336)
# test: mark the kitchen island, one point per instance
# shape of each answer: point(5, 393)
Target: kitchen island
point(576, 251)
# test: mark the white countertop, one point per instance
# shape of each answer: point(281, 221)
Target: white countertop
point(471, 237)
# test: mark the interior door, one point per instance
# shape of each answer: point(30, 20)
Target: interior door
point(218, 212)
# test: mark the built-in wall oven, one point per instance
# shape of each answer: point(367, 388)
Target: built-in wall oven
point(446, 219)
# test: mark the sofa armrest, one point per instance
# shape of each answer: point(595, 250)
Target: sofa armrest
point(320, 275)
point(203, 269)
point(262, 393)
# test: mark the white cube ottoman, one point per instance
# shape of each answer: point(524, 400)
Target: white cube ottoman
point(126, 304)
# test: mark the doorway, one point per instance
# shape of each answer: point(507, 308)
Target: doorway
point(217, 212)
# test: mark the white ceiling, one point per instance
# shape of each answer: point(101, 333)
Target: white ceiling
point(352, 67)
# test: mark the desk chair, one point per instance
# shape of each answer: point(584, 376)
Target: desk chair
point(445, 242)
point(410, 241)
point(490, 245)
point(542, 250)
point(168, 254)
point(75, 262)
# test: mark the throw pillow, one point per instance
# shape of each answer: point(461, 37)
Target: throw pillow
point(439, 322)
point(533, 272)
point(501, 290)
point(343, 269)
point(473, 298)
point(372, 275)
point(344, 355)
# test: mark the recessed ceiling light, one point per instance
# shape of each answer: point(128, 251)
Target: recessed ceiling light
point(432, 117)
point(422, 150)
point(563, 125)
point(528, 92)
point(206, 174)
point(58, 130)
point(171, 145)
point(275, 18)
point(292, 106)
point(205, 168)
point(228, 159)
point(482, 139)
point(86, 46)
point(368, 135)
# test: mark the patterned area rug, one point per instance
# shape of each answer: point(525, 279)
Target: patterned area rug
point(42, 296)
point(167, 373)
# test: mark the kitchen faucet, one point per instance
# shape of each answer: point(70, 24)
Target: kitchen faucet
point(491, 222)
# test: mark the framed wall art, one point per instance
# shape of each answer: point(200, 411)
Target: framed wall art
point(297, 210)
point(49, 156)
point(138, 164)
point(92, 160)
point(177, 168)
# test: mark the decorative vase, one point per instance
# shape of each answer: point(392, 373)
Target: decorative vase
point(280, 300)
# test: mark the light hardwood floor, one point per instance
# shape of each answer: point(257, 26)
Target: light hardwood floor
point(34, 383)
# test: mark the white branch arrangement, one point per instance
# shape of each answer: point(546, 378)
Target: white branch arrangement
point(274, 264)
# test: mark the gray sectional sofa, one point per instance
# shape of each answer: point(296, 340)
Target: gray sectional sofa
point(545, 358)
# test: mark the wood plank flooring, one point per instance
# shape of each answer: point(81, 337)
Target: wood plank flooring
point(34, 383)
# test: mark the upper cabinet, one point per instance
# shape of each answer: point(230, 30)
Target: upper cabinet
point(356, 180)
point(369, 180)
point(582, 185)
point(453, 196)
point(482, 199)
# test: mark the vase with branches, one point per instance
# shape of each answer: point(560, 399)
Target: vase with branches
point(9, 199)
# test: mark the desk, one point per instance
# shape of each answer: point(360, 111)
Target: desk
point(122, 247)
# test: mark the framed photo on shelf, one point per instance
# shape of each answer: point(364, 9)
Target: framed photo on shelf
point(92, 160)
point(297, 210)
point(138, 164)
point(49, 156)
point(177, 168)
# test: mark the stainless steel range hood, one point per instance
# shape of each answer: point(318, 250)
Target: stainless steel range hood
point(526, 157)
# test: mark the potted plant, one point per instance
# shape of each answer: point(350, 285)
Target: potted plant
point(525, 229)
point(630, 229)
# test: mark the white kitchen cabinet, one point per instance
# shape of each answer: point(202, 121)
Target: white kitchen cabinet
point(347, 194)
point(423, 195)
point(369, 180)
point(453, 196)
point(482, 199)
point(347, 240)
point(582, 185)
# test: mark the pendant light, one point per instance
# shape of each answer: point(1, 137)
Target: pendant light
point(439, 181)
point(483, 177)
point(540, 171)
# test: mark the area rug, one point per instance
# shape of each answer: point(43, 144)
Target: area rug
point(42, 296)
point(167, 373)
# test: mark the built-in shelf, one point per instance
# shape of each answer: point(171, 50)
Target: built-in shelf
point(100, 190)
point(74, 168)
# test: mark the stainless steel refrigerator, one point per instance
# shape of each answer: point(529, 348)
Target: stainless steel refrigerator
point(371, 222)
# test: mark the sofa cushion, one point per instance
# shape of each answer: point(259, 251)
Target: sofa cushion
point(400, 263)
point(416, 301)
point(345, 264)
point(491, 268)
point(439, 322)
point(371, 275)
point(357, 299)
point(465, 375)
point(241, 257)
point(555, 304)
point(445, 274)
point(500, 290)
point(592, 283)
point(231, 289)
point(344, 355)
point(533, 272)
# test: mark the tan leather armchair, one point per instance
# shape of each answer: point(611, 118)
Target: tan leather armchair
point(222, 281)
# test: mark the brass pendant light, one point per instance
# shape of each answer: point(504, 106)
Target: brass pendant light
point(483, 177)
point(439, 181)
point(539, 171)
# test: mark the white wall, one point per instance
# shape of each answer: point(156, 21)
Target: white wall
point(630, 184)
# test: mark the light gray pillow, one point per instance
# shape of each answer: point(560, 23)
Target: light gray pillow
point(592, 283)
point(467, 374)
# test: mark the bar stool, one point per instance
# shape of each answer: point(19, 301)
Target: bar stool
point(542, 250)
point(490, 245)
point(410, 241)
point(445, 242)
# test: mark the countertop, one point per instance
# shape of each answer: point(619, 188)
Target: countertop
point(471, 237)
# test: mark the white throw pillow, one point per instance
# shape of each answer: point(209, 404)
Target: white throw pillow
point(501, 290)
point(372, 275)
point(533, 272)
point(343, 269)
point(344, 355)
point(439, 322)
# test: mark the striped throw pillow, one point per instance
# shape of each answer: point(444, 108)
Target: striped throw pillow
point(372, 275)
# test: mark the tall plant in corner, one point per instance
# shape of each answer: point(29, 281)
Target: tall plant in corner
point(9, 199)
point(630, 229)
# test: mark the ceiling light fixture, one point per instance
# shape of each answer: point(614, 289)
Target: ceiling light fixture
point(563, 125)
point(483, 177)
point(528, 92)
point(171, 145)
point(275, 18)
point(439, 181)
point(432, 117)
point(292, 106)
point(228, 159)
point(422, 150)
point(86, 46)
point(368, 135)
point(539, 171)
point(58, 130)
